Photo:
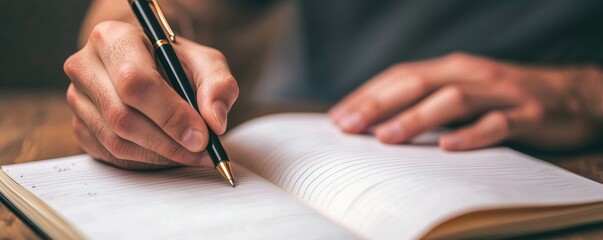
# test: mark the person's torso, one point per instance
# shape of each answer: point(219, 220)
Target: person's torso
point(337, 44)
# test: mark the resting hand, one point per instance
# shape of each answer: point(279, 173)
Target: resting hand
point(544, 108)
point(125, 112)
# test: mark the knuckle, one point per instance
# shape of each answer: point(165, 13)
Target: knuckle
point(78, 129)
point(174, 120)
point(117, 147)
point(101, 154)
point(512, 89)
point(71, 95)
point(370, 108)
point(121, 120)
point(460, 60)
point(72, 66)
point(232, 84)
point(488, 73)
point(420, 83)
point(131, 83)
point(108, 28)
point(457, 98)
point(502, 121)
point(232, 88)
point(104, 154)
point(101, 30)
point(97, 34)
point(167, 149)
point(411, 121)
point(215, 54)
point(174, 152)
point(98, 129)
point(455, 94)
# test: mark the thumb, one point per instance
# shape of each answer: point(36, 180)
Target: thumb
point(217, 89)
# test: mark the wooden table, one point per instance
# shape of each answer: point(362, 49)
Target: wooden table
point(36, 126)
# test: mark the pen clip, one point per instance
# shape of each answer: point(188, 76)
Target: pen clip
point(163, 20)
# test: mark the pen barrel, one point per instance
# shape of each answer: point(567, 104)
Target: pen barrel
point(175, 74)
point(148, 21)
point(173, 70)
point(215, 149)
point(180, 83)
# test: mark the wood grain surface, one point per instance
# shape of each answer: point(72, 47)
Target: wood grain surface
point(36, 126)
point(33, 126)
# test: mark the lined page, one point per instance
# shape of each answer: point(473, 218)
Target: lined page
point(104, 202)
point(395, 191)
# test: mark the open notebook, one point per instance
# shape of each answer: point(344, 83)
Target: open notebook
point(299, 177)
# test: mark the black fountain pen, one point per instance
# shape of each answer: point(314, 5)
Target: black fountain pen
point(173, 69)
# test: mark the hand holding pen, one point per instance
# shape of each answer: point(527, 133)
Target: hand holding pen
point(125, 111)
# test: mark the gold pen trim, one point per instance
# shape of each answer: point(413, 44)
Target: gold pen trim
point(226, 172)
point(162, 18)
point(160, 42)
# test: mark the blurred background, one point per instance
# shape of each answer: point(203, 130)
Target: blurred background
point(37, 37)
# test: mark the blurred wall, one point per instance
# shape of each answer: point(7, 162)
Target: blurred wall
point(36, 37)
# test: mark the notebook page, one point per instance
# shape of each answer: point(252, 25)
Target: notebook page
point(104, 202)
point(387, 191)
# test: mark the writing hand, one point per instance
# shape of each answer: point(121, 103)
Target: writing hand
point(125, 113)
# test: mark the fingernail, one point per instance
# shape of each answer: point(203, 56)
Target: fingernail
point(192, 140)
point(351, 123)
point(220, 114)
point(453, 141)
point(391, 133)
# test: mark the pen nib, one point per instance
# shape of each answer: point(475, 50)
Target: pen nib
point(224, 169)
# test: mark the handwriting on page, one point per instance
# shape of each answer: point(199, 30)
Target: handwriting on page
point(106, 203)
point(374, 188)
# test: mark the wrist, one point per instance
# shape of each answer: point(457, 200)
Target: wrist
point(590, 91)
point(587, 89)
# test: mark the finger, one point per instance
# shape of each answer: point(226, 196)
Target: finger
point(129, 62)
point(452, 68)
point(374, 85)
point(89, 75)
point(449, 104)
point(98, 151)
point(119, 147)
point(490, 129)
point(93, 147)
point(343, 106)
point(402, 86)
point(217, 89)
point(382, 101)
